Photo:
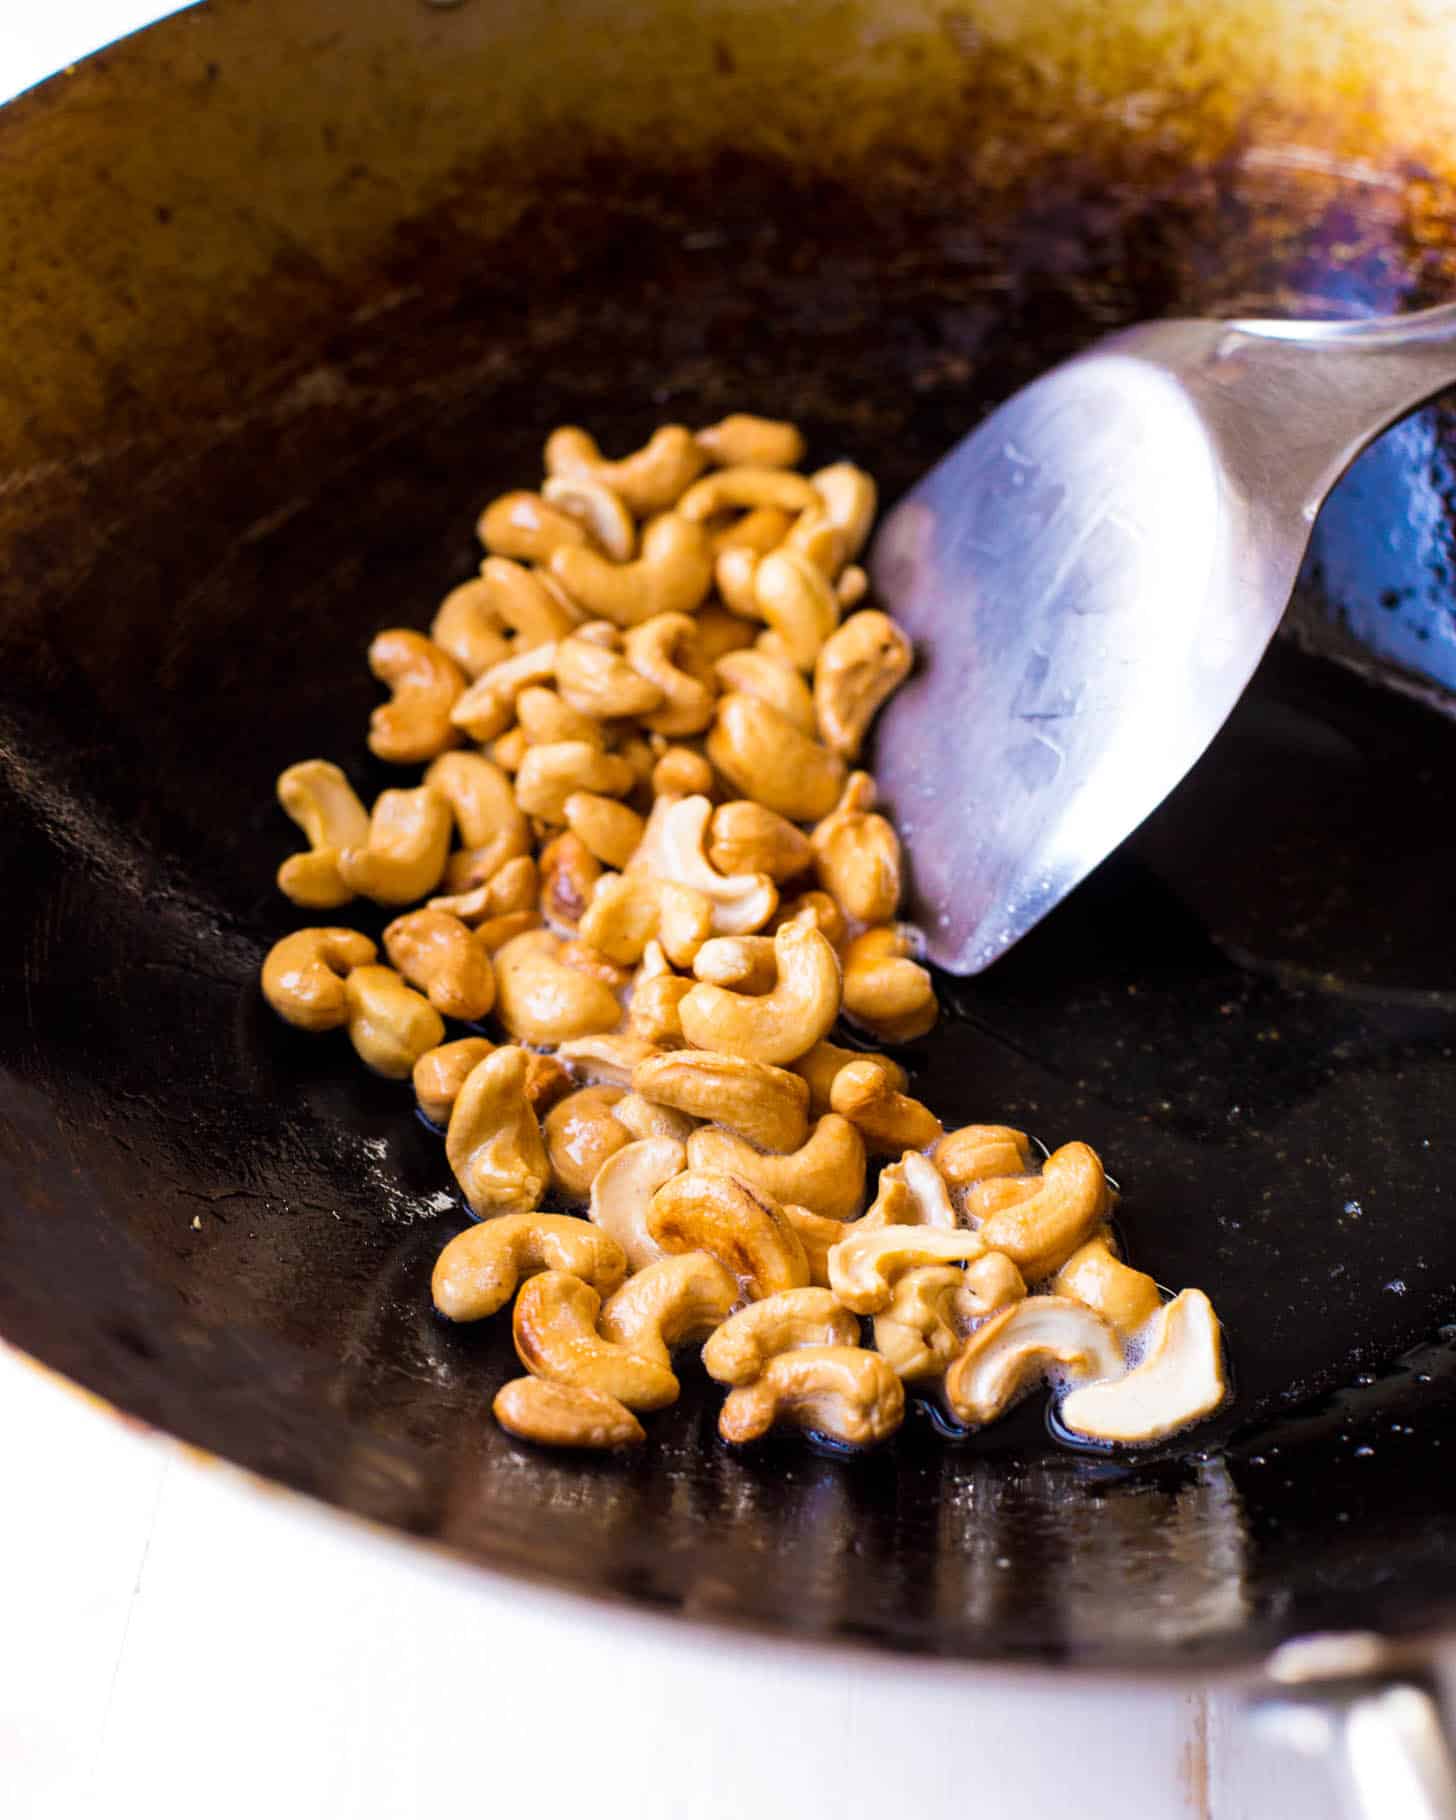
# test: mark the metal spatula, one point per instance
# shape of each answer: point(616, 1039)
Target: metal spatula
point(1090, 579)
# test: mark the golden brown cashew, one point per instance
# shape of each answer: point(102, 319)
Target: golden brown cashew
point(817, 908)
point(848, 496)
point(766, 1105)
point(390, 1026)
point(741, 440)
point(539, 1000)
point(681, 772)
point(560, 1415)
point(318, 796)
point(404, 857)
point(739, 1225)
point(1094, 1274)
point(851, 589)
point(865, 1266)
point(650, 480)
point(644, 1119)
point(610, 830)
point(523, 526)
point(733, 571)
point(759, 531)
point(742, 963)
point(524, 601)
point(568, 878)
point(512, 886)
point(785, 1322)
point(467, 628)
point(581, 1135)
point(741, 489)
point(746, 837)
point(977, 1153)
point(440, 1073)
point(611, 1058)
point(481, 1268)
point(842, 1392)
point(1179, 1381)
point(826, 1173)
point(1016, 1348)
point(766, 757)
point(889, 1122)
point(819, 1235)
point(664, 649)
point(484, 711)
point(437, 953)
point(483, 803)
point(824, 1061)
point(509, 749)
point(777, 1026)
point(630, 909)
point(304, 975)
point(672, 575)
point(554, 1327)
point(668, 1304)
point(593, 504)
point(426, 683)
point(857, 855)
point(857, 670)
point(622, 1191)
point(656, 995)
point(797, 602)
point(918, 1333)
point(720, 631)
point(912, 1192)
point(493, 1143)
point(549, 774)
point(591, 960)
point(545, 719)
point(496, 931)
point(597, 681)
point(673, 847)
point(884, 989)
point(815, 535)
point(1041, 1232)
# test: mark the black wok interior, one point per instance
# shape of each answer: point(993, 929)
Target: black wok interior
point(226, 1228)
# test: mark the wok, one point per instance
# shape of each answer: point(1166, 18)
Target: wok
point(292, 289)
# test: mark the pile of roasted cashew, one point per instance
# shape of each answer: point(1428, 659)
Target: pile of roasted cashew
point(644, 852)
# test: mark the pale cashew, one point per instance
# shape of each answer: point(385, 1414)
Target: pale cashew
point(390, 1025)
point(851, 589)
point(1039, 1233)
point(486, 708)
point(741, 489)
point(610, 830)
point(512, 886)
point(523, 526)
point(581, 1135)
point(664, 649)
point(304, 975)
point(917, 1333)
point(766, 757)
point(746, 837)
point(734, 569)
point(912, 1192)
point(857, 670)
point(668, 1304)
point(554, 1327)
point(720, 631)
point(483, 804)
point(493, 1142)
point(989, 1283)
point(1094, 1274)
point(1179, 1381)
point(759, 531)
point(777, 1026)
point(1019, 1347)
point(672, 575)
point(597, 681)
point(426, 683)
point(438, 954)
point(467, 627)
point(819, 1235)
point(823, 1063)
point(857, 855)
point(741, 440)
point(826, 1174)
point(763, 1104)
point(622, 1191)
point(568, 872)
point(889, 1122)
point(849, 497)
point(977, 1153)
point(522, 600)
point(561, 1415)
point(609, 1059)
point(742, 963)
point(681, 772)
point(779, 684)
point(440, 1073)
point(650, 480)
point(541, 1001)
point(644, 1119)
point(675, 835)
point(886, 991)
point(630, 909)
point(481, 1268)
point(797, 602)
point(404, 857)
point(549, 774)
point(739, 1225)
point(319, 797)
point(817, 908)
point(841, 1392)
point(785, 1322)
point(545, 719)
point(657, 992)
point(865, 1266)
point(593, 504)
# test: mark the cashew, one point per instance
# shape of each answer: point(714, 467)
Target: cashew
point(609, 1059)
point(496, 931)
point(889, 1122)
point(857, 855)
point(1095, 1275)
point(426, 683)
point(797, 602)
point(653, 1012)
point(568, 878)
point(622, 1190)
point(884, 989)
point(510, 748)
point(668, 1304)
point(675, 835)
point(740, 489)
point(817, 908)
point(672, 575)
point(912, 1192)
point(593, 504)
point(304, 975)
point(581, 1135)
point(734, 569)
point(390, 1026)
point(763, 1104)
point(819, 1235)
point(493, 1143)
point(777, 1026)
point(759, 531)
point(1042, 1231)
point(318, 796)
point(766, 757)
point(541, 1001)
point(630, 909)
point(664, 649)
point(865, 1266)
point(481, 1268)
point(850, 590)
point(511, 886)
point(587, 959)
point(742, 963)
point(739, 1225)
point(1018, 1347)
point(483, 804)
point(784, 1322)
point(485, 709)
point(840, 1392)
point(523, 600)
point(467, 628)
point(554, 1327)
point(826, 1174)
point(545, 719)
point(976, 1153)
point(523, 526)
point(848, 496)
point(1179, 1381)
point(856, 671)
point(403, 858)
point(720, 631)
point(644, 1119)
point(597, 681)
point(746, 837)
point(741, 440)
point(440, 1073)
point(682, 772)
point(549, 774)
point(814, 535)
point(824, 1061)
point(917, 1333)
point(650, 480)
point(437, 953)
point(609, 830)
point(778, 684)
point(560, 1415)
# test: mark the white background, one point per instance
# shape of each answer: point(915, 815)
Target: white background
point(174, 1642)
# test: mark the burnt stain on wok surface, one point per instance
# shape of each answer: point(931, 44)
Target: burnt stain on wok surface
point(227, 1229)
